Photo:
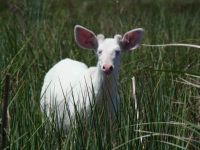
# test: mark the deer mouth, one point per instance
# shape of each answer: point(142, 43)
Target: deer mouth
point(107, 72)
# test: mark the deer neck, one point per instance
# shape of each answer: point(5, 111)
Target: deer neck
point(105, 84)
point(105, 89)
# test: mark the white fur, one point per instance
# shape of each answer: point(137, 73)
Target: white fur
point(71, 86)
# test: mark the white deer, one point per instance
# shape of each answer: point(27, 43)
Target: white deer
point(70, 86)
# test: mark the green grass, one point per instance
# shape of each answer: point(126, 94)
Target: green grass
point(36, 34)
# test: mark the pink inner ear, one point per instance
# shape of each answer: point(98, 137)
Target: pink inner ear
point(85, 38)
point(131, 39)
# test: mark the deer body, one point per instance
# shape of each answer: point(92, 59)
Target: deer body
point(71, 86)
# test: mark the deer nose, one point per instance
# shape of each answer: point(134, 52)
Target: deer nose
point(107, 69)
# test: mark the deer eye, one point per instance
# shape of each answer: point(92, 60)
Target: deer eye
point(99, 52)
point(117, 52)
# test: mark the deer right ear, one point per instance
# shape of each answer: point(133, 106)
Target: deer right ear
point(85, 38)
point(132, 39)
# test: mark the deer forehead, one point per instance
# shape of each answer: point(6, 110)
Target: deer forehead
point(109, 45)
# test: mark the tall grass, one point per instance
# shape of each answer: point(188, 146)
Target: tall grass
point(36, 34)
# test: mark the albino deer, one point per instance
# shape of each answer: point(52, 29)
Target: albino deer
point(70, 86)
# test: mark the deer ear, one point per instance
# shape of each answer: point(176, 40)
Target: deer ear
point(131, 39)
point(85, 38)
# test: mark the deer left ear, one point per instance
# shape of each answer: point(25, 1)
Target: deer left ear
point(85, 38)
point(132, 39)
